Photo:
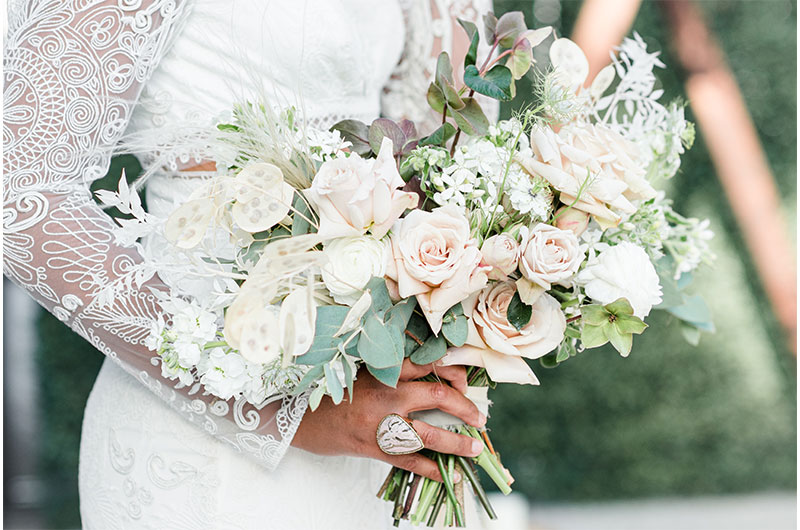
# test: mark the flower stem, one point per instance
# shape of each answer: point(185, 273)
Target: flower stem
point(437, 505)
point(477, 487)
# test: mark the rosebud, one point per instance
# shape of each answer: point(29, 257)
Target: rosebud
point(571, 219)
point(502, 253)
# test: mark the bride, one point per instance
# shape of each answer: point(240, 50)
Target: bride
point(81, 73)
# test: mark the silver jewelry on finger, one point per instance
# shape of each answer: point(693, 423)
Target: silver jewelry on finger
point(396, 436)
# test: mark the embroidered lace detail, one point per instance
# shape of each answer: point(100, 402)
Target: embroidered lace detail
point(73, 72)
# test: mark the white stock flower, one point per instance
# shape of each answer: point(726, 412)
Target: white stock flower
point(623, 271)
point(351, 263)
point(188, 353)
point(224, 374)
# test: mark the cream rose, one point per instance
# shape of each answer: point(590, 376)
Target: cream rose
point(351, 263)
point(352, 195)
point(623, 271)
point(494, 343)
point(581, 151)
point(501, 252)
point(435, 259)
point(549, 255)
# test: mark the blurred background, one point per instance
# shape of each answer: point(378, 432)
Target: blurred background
point(675, 436)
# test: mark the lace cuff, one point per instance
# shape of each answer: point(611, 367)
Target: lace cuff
point(73, 72)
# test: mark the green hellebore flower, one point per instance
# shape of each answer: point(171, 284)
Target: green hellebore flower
point(613, 323)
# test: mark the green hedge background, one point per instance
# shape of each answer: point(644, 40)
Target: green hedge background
point(669, 420)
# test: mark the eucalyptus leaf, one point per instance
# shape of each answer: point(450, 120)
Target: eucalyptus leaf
point(510, 26)
point(302, 215)
point(348, 376)
point(490, 27)
point(519, 313)
point(325, 346)
point(385, 128)
point(312, 375)
point(417, 326)
point(456, 329)
point(315, 397)
point(471, 118)
point(436, 98)
point(334, 385)
point(496, 83)
point(440, 136)
point(434, 348)
point(380, 295)
point(519, 62)
point(690, 333)
point(444, 70)
point(387, 376)
point(355, 132)
point(693, 310)
point(399, 315)
point(474, 38)
point(376, 345)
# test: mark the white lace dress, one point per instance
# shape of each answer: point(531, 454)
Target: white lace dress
point(79, 74)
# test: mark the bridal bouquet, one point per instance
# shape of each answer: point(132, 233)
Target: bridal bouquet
point(312, 255)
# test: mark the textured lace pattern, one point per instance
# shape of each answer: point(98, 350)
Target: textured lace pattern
point(74, 72)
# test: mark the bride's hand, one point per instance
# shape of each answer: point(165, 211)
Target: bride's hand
point(349, 428)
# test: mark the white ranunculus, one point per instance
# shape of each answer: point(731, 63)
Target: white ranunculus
point(352, 262)
point(623, 271)
point(549, 255)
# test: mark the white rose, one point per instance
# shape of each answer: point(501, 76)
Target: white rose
point(435, 259)
point(502, 253)
point(549, 255)
point(623, 271)
point(353, 195)
point(613, 166)
point(494, 343)
point(351, 263)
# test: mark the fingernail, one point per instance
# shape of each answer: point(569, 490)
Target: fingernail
point(477, 447)
point(456, 476)
point(481, 419)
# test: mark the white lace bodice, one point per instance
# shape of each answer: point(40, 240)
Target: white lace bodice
point(74, 74)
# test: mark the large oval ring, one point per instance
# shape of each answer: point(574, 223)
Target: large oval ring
point(396, 436)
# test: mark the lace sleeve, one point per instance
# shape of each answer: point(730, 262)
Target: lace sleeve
point(432, 27)
point(73, 71)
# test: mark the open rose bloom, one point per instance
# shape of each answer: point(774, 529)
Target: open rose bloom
point(495, 344)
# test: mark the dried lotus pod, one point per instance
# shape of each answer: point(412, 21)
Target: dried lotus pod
point(265, 210)
point(568, 58)
point(261, 336)
point(187, 225)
